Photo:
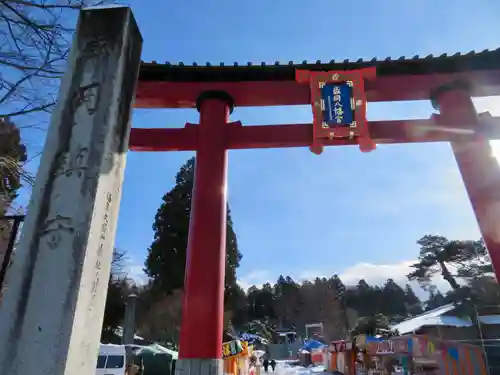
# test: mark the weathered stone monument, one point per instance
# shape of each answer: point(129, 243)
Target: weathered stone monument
point(52, 308)
point(129, 320)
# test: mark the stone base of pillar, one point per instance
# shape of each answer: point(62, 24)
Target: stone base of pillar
point(199, 367)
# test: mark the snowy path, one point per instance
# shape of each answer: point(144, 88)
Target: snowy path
point(284, 368)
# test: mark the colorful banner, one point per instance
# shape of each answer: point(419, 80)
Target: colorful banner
point(340, 346)
point(234, 348)
point(389, 347)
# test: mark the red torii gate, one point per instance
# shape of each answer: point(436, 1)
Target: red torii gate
point(449, 82)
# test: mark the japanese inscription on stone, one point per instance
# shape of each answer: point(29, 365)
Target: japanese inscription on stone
point(71, 165)
point(102, 241)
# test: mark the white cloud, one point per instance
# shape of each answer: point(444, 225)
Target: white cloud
point(374, 274)
point(135, 272)
point(377, 273)
point(256, 277)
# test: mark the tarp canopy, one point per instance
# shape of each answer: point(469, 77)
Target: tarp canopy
point(312, 344)
point(252, 338)
point(156, 349)
point(156, 359)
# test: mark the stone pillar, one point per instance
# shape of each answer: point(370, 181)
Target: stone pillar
point(129, 321)
point(52, 310)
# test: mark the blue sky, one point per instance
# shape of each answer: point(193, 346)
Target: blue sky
point(285, 217)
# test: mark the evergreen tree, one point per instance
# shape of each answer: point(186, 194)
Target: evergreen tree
point(393, 297)
point(287, 303)
point(374, 325)
point(436, 299)
point(485, 291)
point(338, 286)
point(412, 302)
point(366, 299)
point(437, 253)
point(12, 154)
point(261, 303)
point(166, 259)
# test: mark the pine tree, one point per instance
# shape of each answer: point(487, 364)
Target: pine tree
point(437, 254)
point(436, 299)
point(393, 297)
point(412, 302)
point(166, 259)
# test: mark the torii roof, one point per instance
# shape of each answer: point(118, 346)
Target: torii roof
point(444, 64)
point(178, 86)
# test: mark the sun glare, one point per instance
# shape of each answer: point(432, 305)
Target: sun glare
point(492, 105)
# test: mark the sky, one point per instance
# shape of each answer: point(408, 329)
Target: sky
point(287, 211)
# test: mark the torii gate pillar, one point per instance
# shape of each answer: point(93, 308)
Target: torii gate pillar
point(200, 346)
point(479, 168)
point(52, 308)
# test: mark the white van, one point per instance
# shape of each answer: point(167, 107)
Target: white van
point(111, 360)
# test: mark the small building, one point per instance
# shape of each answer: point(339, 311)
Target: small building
point(451, 322)
point(285, 336)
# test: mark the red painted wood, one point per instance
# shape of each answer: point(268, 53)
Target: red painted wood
point(392, 88)
point(203, 307)
point(480, 170)
point(164, 139)
point(293, 135)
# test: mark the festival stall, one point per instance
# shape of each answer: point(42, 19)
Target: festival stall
point(385, 356)
point(340, 356)
point(417, 355)
point(236, 355)
point(312, 353)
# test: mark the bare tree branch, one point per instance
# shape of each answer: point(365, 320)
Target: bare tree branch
point(35, 39)
point(44, 6)
point(25, 111)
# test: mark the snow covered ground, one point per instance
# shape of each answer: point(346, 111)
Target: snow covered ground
point(284, 368)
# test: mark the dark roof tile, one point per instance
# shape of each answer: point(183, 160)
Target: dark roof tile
point(485, 60)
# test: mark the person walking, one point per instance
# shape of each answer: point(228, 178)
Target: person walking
point(273, 364)
point(266, 364)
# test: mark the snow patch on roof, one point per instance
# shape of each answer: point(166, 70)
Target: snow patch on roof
point(434, 317)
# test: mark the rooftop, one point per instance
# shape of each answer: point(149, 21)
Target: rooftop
point(438, 317)
point(179, 85)
point(277, 71)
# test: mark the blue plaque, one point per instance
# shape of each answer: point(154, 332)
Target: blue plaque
point(337, 104)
